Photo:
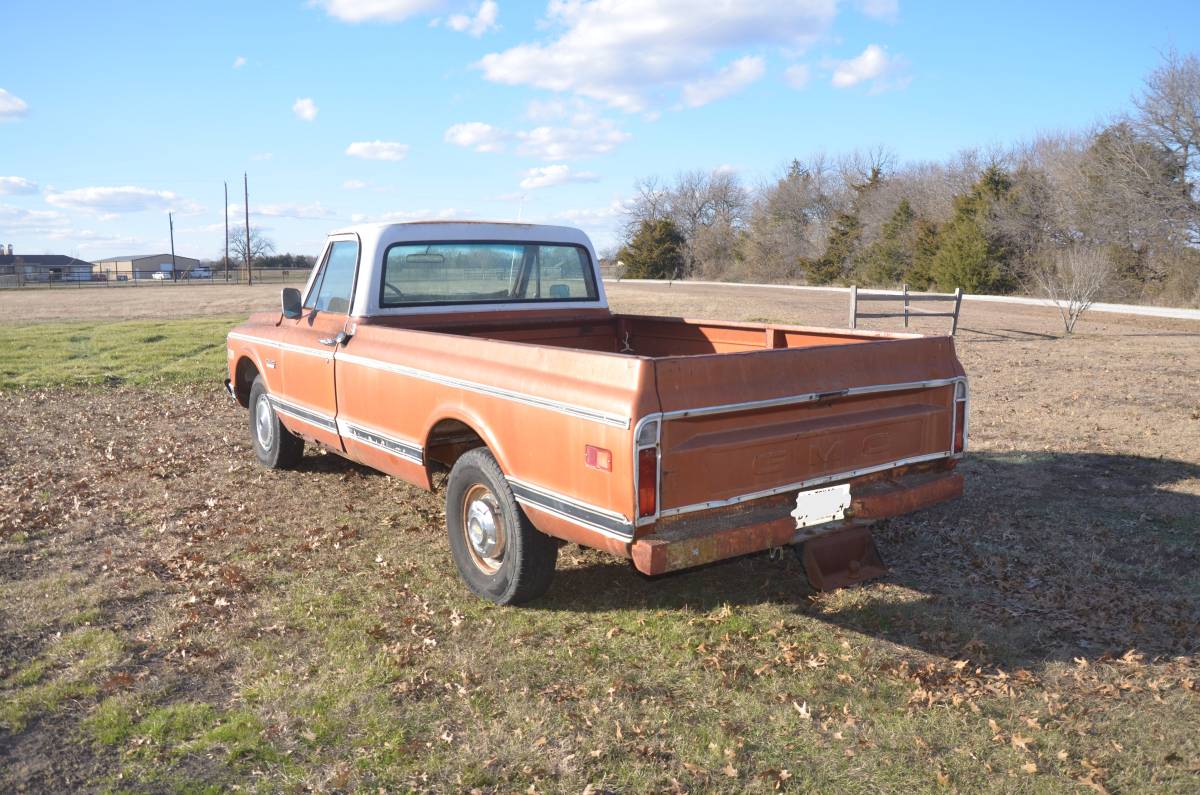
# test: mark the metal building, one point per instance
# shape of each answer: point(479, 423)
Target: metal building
point(144, 266)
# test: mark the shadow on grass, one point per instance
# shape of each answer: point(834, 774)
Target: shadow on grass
point(1011, 335)
point(1048, 556)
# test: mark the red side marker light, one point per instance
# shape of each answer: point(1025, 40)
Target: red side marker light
point(597, 458)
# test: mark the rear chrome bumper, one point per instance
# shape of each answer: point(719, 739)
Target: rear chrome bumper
point(700, 538)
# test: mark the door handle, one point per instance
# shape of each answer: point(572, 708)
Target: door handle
point(341, 339)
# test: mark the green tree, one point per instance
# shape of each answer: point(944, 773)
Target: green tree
point(889, 259)
point(970, 255)
point(844, 237)
point(655, 252)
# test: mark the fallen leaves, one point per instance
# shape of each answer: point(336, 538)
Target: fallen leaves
point(1021, 742)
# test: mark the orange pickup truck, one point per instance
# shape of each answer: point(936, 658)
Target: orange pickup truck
point(488, 350)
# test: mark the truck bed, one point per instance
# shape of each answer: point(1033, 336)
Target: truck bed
point(661, 337)
point(750, 410)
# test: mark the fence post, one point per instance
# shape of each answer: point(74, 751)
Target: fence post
point(854, 306)
point(905, 305)
point(957, 304)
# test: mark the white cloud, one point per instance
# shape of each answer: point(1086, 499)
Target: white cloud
point(14, 185)
point(620, 51)
point(549, 176)
point(586, 136)
point(262, 156)
point(887, 10)
point(797, 75)
point(84, 239)
point(313, 210)
point(283, 210)
point(546, 109)
point(305, 109)
point(354, 184)
point(872, 65)
point(12, 107)
point(400, 216)
point(377, 150)
point(477, 135)
point(730, 80)
point(29, 220)
point(569, 143)
point(483, 21)
point(239, 62)
point(594, 216)
point(118, 200)
point(376, 10)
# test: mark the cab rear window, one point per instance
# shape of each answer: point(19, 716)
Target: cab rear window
point(425, 274)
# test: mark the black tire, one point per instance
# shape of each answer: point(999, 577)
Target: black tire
point(522, 562)
point(275, 446)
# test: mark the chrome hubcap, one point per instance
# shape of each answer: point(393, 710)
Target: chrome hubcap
point(264, 424)
point(484, 528)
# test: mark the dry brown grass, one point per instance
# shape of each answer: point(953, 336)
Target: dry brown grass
point(173, 615)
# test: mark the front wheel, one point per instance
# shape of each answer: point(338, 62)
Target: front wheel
point(499, 553)
point(275, 446)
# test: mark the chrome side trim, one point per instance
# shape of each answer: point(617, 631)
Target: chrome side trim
point(965, 399)
point(283, 346)
point(573, 410)
point(808, 397)
point(382, 441)
point(804, 484)
point(589, 516)
point(304, 415)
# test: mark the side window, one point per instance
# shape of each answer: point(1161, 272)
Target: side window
point(333, 285)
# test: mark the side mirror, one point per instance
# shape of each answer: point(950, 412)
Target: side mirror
point(290, 298)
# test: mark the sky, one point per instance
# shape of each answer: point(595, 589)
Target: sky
point(344, 111)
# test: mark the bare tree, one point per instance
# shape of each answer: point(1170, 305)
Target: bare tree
point(708, 208)
point(1169, 108)
point(1073, 279)
point(260, 245)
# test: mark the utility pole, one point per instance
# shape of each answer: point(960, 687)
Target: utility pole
point(227, 231)
point(174, 273)
point(246, 202)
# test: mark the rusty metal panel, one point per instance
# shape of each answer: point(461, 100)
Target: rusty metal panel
point(842, 559)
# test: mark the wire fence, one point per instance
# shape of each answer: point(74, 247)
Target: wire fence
point(50, 280)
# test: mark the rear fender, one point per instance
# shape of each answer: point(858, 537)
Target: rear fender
point(473, 421)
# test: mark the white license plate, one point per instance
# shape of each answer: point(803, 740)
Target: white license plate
point(818, 506)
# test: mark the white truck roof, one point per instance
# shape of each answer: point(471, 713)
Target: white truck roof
point(376, 235)
point(374, 239)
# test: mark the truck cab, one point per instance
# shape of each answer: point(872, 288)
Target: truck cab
point(488, 351)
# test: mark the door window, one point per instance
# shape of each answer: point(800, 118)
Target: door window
point(333, 286)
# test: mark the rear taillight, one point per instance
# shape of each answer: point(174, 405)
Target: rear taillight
point(646, 443)
point(647, 485)
point(960, 417)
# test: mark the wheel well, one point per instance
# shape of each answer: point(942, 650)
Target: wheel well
point(448, 440)
point(243, 379)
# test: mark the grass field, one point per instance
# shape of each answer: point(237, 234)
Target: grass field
point(173, 617)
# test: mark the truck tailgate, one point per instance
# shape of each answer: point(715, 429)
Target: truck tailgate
point(746, 425)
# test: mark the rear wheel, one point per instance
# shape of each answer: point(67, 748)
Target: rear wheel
point(499, 553)
point(275, 446)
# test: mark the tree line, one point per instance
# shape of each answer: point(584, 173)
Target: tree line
point(1113, 210)
point(262, 252)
